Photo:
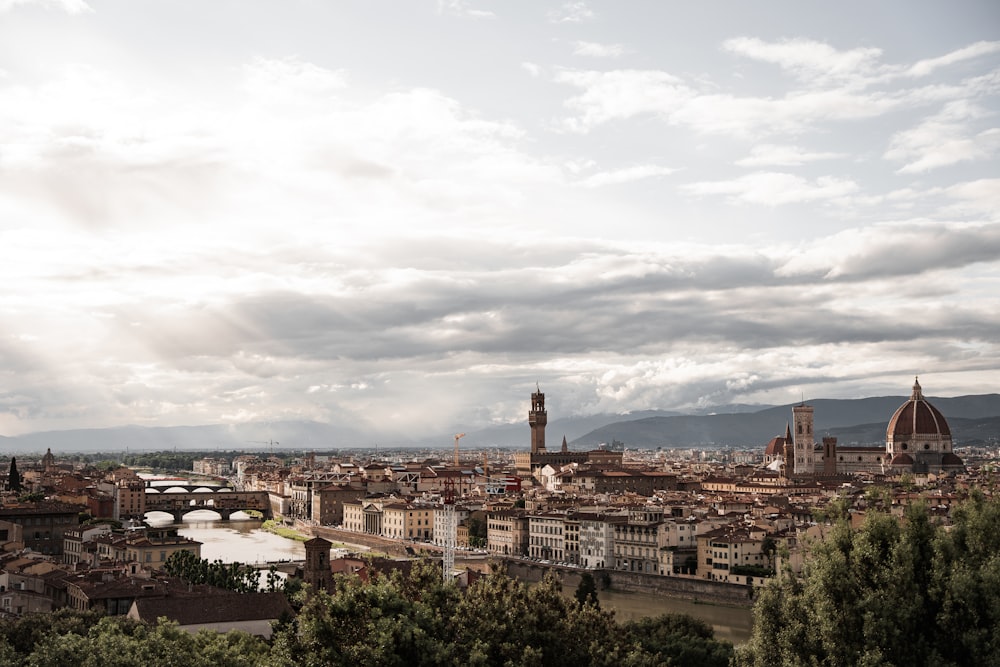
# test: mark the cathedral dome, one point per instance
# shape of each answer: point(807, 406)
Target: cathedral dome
point(776, 446)
point(916, 419)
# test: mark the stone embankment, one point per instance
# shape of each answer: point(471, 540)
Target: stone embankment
point(685, 588)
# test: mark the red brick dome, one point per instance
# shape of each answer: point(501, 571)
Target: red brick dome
point(950, 459)
point(917, 417)
point(902, 460)
point(776, 446)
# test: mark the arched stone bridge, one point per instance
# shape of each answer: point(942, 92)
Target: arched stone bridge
point(223, 502)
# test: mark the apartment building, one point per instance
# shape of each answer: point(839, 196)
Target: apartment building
point(507, 532)
point(597, 537)
point(547, 536)
point(637, 546)
point(723, 549)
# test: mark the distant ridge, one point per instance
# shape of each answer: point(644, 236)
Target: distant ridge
point(973, 418)
point(832, 417)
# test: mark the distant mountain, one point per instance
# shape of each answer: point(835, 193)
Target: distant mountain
point(972, 418)
point(832, 417)
point(247, 436)
point(519, 435)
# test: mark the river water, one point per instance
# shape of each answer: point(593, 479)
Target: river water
point(232, 541)
point(243, 541)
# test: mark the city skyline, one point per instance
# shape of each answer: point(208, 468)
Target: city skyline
point(409, 214)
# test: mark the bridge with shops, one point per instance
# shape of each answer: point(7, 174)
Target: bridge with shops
point(181, 499)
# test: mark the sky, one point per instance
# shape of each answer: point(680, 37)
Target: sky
point(407, 215)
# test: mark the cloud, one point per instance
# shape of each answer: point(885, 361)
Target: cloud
point(896, 249)
point(621, 94)
point(284, 78)
point(624, 94)
point(767, 155)
point(531, 68)
point(651, 326)
point(944, 139)
point(288, 239)
point(975, 198)
point(572, 12)
point(627, 175)
point(775, 188)
point(462, 8)
point(597, 50)
point(975, 50)
point(69, 6)
point(92, 148)
point(811, 61)
point(830, 86)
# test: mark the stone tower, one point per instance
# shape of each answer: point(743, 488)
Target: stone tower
point(829, 456)
point(537, 418)
point(317, 572)
point(805, 445)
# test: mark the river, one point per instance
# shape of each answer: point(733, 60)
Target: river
point(243, 541)
point(238, 541)
point(731, 624)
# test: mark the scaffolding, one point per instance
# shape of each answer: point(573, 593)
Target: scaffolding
point(450, 526)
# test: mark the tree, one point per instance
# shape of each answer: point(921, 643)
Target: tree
point(677, 639)
point(889, 593)
point(14, 477)
point(231, 576)
point(477, 531)
point(769, 547)
point(586, 590)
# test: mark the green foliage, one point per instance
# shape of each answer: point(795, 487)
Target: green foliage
point(477, 531)
point(889, 593)
point(277, 528)
point(391, 620)
point(123, 642)
point(586, 591)
point(231, 576)
point(676, 639)
point(163, 461)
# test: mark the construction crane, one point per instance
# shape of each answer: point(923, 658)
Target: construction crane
point(270, 443)
point(457, 437)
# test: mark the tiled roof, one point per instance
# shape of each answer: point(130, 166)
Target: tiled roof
point(230, 608)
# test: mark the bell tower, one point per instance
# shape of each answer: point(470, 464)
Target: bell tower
point(805, 444)
point(317, 572)
point(537, 418)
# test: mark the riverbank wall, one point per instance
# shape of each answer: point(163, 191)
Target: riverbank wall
point(684, 588)
point(373, 542)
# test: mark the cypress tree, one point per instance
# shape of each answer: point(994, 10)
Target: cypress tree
point(14, 477)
